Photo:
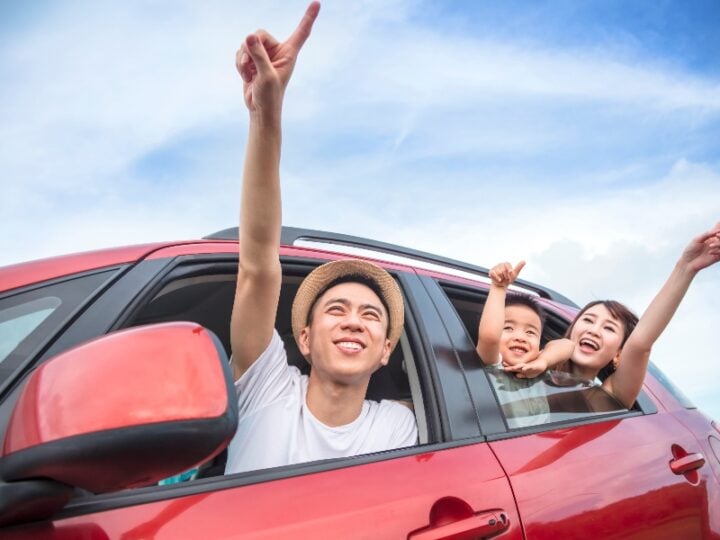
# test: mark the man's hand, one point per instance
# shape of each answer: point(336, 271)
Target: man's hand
point(504, 274)
point(265, 64)
point(703, 251)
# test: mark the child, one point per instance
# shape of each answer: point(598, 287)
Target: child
point(511, 327)
point(509, 342)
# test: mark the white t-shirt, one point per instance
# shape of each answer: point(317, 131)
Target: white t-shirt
point(276, 427)
point(524, 401)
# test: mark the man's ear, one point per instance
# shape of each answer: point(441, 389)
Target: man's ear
point(387, 349)
point(304, 341)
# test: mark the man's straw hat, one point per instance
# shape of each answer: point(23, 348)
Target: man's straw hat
point(317, 281)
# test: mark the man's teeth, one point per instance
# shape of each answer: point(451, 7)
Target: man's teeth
point(350, 345)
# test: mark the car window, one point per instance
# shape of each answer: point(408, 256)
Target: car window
point(17, 322)
point(671, 387)
point(207, 300)
point(204, 294)
point(556, 396)
point(31, 317)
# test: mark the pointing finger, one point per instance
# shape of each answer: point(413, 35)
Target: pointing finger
point(519, 266)
point(302, 32)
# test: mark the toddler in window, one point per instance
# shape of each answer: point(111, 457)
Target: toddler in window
point(509, 342)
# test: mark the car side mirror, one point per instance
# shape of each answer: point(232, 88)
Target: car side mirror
point(125, 410)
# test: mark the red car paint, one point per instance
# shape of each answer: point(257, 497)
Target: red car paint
point(653, 474)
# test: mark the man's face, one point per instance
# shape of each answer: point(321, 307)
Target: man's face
point(520, 339)
point(347, 340)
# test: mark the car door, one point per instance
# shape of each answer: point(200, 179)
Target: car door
point(449, 486)
point(613, 475)
point(610, 479)
point(387, 496)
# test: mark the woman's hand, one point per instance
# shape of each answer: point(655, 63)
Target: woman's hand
point(265, 64)
point(703, 251)
point(528, 370)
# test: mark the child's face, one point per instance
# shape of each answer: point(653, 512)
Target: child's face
point(520, 339)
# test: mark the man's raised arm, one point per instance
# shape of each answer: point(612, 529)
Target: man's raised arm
point(265, 66)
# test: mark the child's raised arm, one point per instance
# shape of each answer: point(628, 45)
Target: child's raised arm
point(493, 313)
point(626, 382)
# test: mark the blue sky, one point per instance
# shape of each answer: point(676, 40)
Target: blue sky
point(581, 136)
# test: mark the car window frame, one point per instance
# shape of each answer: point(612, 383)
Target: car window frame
point(443, 385)
point(478, 376)
point(225, 265)
point(75, 291)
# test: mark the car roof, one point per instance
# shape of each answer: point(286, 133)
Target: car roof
point(27, 273)
point(422, 261)
point(296, 241)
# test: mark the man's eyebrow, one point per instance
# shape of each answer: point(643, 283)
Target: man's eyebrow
point(339, 300)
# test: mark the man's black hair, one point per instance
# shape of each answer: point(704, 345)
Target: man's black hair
point(351, 278)
point(519, 299)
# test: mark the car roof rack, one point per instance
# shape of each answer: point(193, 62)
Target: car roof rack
point(290, 235)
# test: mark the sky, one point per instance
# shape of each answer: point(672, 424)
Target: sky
point(578, 136)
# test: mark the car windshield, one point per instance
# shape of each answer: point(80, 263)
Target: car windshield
point(18, 322)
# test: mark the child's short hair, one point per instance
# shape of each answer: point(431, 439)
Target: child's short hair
point(519, 299)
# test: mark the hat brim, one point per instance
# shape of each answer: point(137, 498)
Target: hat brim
point(322, 276)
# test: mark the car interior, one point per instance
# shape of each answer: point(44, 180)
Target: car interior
point(204, 294)
point(568, 397)
point(207, 300)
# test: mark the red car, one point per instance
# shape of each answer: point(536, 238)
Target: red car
point(114, 376)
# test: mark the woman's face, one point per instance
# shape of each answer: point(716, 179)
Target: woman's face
point(598, 336)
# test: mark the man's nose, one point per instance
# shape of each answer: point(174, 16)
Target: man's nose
point(352, 321)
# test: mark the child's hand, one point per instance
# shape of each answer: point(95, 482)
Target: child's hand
point(504, 274)
point(703, 251)
point(528, 370)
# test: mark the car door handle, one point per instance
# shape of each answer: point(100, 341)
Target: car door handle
point(453, 519)
point(481, 525)
point(685, 464)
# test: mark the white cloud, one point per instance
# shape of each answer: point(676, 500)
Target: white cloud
point(479, 149)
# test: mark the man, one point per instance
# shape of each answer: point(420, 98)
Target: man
point(347, 316)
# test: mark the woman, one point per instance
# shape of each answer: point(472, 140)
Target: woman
point(612, 343)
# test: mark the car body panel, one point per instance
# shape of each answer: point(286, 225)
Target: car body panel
point(601, 477)
point(385, 499)
point(611, 479)
point(33, 272)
